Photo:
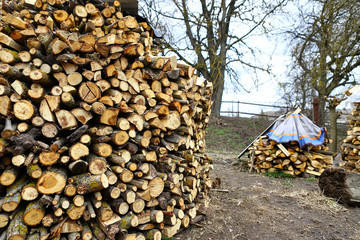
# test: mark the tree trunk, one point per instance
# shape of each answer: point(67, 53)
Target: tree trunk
point(217, 97)
point(217, 77)
point(333, 127)
point(322, 111)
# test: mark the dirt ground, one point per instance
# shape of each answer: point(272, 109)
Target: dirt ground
point(259, 207)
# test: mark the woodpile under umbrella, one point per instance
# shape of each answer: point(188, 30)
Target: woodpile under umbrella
point(266, 155)
point(294, 145)
point(100, 139)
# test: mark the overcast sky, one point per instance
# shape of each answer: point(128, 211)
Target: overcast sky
point(273, 50)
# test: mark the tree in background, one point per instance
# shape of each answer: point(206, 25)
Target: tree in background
point(212, 35)
point(298, 92)
point(327, 46)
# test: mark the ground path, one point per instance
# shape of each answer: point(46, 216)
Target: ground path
point(259, 207)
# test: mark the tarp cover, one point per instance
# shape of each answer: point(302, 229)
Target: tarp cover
point(297, 127)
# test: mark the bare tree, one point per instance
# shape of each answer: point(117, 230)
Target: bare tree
point(212, 35)
point(328, 45)
point(298, 92)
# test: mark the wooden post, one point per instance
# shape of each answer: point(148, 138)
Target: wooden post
point(238, 109)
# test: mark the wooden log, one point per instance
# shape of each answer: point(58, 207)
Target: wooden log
point(129, 196)
point(9, 129)
point(138, 205)
point(111, 226)
point(29, 192)
point(126, 176)
point(48, 158)
point(75, 212)
point(17, 229)
point(78, 200)
point(73, 236)
point(97, 165)
point(111, 193)
point(4, 219)
point(5, 105)
point(154, 234)
point(111, 177)
point(87, 183)
point(8, 176)
point(340, 184)
point(97, 232)
point(70, 226)
point(78, 150)
point(86, 233)
point(128, 221)
point(8, 41)
point(10, 203)
point(170, 231)
point(78, 166)
point(102, 149)
point(117, 159)
point(156, 187)
point(156, 216)
point(120, 137)
point(90, 208)
point(49, 130)
point(120, 206)
point(140, 183)
point(33, 213)
point(89, 92)
point(23, 110)
point(52, 181)
point(104, 212)
point(65, 119)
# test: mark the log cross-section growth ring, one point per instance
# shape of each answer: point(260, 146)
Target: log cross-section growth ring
point(89, 92)
point(23, 110)
point(52, 181)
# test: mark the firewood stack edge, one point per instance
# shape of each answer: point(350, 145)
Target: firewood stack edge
point(266, 155)
point(351, 144)
point(100, 138)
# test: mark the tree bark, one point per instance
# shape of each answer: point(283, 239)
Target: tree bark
point(333, 128)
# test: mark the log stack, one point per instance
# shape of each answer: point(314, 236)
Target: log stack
point(100, 139)
point(266, 155)
point(351, 144)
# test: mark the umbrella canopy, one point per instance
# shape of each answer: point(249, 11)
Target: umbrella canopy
point(297, 127)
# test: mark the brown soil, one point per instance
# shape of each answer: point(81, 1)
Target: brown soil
point(259, 207)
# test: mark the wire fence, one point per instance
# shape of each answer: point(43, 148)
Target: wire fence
point(234, 109)
point(272, 111)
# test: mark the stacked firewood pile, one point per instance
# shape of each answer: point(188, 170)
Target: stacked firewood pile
point(351, 144)
point(268, 156)
point(99, 138)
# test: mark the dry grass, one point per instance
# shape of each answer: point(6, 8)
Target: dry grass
point(316, 200)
